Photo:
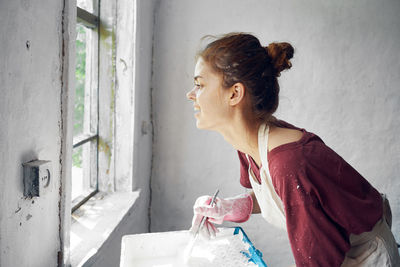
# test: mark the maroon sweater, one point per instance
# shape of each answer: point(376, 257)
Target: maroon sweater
point(325, 199)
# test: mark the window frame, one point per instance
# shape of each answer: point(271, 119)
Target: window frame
point(90, 21)
point(122, 132)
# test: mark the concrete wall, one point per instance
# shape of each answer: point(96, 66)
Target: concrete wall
point(143, 131)
point(36, 104)
point(343, 86)
point(32, 81)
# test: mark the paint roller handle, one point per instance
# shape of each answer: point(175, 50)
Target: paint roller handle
point(203, 220)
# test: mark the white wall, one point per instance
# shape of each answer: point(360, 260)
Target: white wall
point(344, 86)
point(36, 105)
point(143, 70)
point(31, 82)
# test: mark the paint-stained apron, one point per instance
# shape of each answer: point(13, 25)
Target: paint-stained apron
point(369, 249)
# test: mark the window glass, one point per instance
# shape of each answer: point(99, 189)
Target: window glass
point(84, 171)
point(80, 70)
point(85, 4)
point(84, 154)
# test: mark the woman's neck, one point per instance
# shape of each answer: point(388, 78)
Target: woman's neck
point(243, 136)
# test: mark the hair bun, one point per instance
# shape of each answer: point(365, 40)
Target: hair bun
point(280, 54)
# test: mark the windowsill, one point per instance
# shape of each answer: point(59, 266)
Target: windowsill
point(93, 223)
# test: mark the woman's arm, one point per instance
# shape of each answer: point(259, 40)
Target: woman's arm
point(256, 207)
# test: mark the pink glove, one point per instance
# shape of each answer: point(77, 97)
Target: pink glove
point(235, 209)
point(208, 228)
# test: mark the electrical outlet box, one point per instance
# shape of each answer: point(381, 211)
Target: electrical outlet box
point(37, 177)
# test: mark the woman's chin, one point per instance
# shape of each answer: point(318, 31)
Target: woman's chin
point(202, 126)
point(198, 120)
point(202, 123)
point(199, 124)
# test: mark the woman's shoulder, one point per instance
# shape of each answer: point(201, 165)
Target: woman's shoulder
point(283, 124)
point(281, 136)
point(286, 137)
point(308, 152)
point(296, 148)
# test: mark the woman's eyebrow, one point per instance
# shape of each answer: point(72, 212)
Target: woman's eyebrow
point(197, 77)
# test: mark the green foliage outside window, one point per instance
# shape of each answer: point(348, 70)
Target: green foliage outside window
point(77, 157)
point(80, 78)
point(79, 89)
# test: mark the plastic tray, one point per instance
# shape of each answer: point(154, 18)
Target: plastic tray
point(160, 249)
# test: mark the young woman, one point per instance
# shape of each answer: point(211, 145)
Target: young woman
point(332, 215)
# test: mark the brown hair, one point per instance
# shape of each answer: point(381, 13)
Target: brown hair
point(239, 57)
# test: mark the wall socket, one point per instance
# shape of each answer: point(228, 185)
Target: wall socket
point(37, 177)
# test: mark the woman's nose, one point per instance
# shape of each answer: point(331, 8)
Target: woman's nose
point(191, 94)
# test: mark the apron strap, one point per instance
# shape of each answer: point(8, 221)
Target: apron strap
point(270, 204)
point(263, 133)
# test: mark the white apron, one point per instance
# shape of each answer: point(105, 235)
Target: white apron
point(271, 205)
point(369, 249)
point(375, 248)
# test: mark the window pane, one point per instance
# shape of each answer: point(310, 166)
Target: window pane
point(84, 171)
point(86, 5)
point(85, 110)
point(80, 70)
point(84, 158)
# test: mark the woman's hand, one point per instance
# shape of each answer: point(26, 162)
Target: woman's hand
point(235, 209)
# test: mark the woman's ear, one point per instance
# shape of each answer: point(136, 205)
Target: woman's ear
point(236, 94)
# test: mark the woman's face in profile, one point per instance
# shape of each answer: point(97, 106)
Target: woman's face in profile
point(210, 99)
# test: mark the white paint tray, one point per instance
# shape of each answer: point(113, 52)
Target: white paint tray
point(165, 249)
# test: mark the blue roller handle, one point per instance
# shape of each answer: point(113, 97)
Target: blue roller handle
point(255, 255)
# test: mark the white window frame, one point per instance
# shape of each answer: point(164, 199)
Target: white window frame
point(91, 126)
point(92, 223)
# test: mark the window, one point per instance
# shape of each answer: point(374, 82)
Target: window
point(103, 141)
point(85, 140)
